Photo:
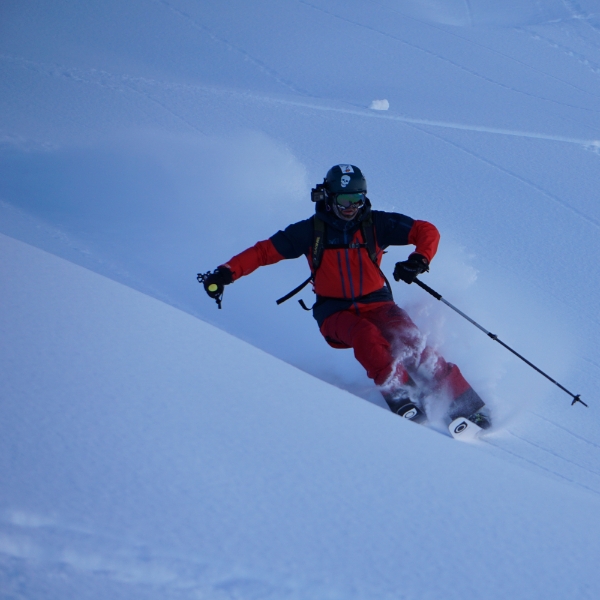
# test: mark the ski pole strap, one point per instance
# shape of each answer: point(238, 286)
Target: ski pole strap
point(576, 398)
point(303, 305)
point(294, 291)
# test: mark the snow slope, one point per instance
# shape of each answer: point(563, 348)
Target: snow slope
point(153, 139)
point(134, 465)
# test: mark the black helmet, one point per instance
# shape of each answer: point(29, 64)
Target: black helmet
point(345, 179)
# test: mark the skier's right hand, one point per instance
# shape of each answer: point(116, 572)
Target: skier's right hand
point(410, 269)
point(217, 280)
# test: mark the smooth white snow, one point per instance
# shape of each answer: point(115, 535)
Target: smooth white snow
point(146, 452)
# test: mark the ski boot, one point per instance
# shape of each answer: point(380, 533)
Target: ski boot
point(468, 428)
point(396, 393)
point(481, 420)
point(406, 408)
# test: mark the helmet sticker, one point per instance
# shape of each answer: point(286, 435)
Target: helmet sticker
point(345, 180)
point(346, 168)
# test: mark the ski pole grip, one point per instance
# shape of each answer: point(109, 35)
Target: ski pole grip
point(428, 289)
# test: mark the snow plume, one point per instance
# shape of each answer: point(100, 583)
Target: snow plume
point(159, 205)
point(489, 297)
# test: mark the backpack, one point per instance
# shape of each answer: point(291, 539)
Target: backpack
point(319, 230)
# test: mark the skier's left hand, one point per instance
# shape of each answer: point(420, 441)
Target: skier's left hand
point(217, 280)
point(410, 269)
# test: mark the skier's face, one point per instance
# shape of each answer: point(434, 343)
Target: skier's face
point(346, 206)
point(347, 214)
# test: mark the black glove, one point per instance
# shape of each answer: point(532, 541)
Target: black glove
point(410, 269)
point(215, 282)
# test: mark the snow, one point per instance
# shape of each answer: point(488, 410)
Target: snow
point(153, 446)
point(131, 461)
point(379, 105)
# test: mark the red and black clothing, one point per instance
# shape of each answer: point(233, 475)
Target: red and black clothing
point(346, 277)
point(355, 307)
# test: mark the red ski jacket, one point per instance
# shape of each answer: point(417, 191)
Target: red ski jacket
point(346, 276)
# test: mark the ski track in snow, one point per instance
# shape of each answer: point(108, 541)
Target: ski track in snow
point(550, 460)
point(553, 453)
point(491, 50)
point(577, 14)
point(447, 60)
point(529, 461)
point(568, 431)
point(230, 46)
point(119, 83)
point(592, 362)
point(559, 201)
point(469, 12)
point(98, 77)
point(593, 67)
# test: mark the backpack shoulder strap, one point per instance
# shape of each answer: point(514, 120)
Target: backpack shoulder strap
point(318, 243)
point(368, 231)
point(317, 256)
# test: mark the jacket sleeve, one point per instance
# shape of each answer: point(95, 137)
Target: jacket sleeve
point(425, 237)
point(394, 229)
point(293, 242)
point(261, 254)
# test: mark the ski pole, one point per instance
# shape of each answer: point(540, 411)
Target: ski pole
point(576, 398)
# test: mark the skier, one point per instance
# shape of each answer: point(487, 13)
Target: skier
point(344, 242)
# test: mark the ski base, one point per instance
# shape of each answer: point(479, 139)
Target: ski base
point(463, 429)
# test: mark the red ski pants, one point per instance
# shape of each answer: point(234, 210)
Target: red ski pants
point(385, 339)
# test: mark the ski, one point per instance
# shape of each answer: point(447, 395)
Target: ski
point(464, 430)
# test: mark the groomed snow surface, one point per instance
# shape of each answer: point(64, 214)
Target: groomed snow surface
point(154, 447)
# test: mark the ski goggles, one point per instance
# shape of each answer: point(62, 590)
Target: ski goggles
point(350, 200)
